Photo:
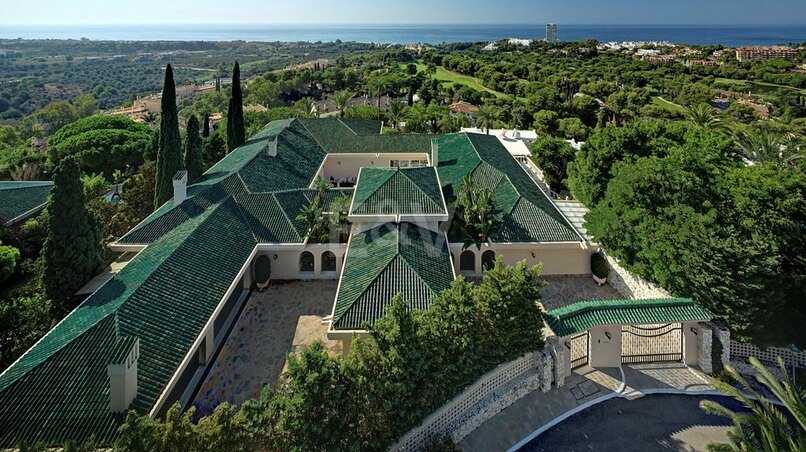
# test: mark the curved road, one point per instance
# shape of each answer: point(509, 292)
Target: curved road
point(654, 422)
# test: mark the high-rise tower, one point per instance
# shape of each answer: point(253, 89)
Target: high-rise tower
point(551, 32)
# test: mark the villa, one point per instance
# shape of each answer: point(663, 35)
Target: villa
point(144, 338)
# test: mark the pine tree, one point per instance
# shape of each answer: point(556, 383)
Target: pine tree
point(169, 155)
point(193, 150)
point(236, 129)
point(206, 130)
point(72, 253)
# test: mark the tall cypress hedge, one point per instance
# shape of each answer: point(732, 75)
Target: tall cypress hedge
point(169, 155)
point(236, 128)
point(72, 253)
point(193, 150)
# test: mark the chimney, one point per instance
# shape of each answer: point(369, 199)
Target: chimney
point(434, 153)
point(123, 375)
point(273, 147)
point(180, 187)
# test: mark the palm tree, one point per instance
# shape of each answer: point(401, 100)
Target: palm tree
point(339, 208)
point(311, 215)
point(485, 118)
point(305, 106)
point(764, 427)
point(395, 112)
point(416, 120)
point(476, 211)
point(341, 99)
point(149, 118)
point(702, 117)
point(765, 147)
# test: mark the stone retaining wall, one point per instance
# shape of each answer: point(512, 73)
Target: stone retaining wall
point(485, 398)
point(631, 286)
point(704, 346)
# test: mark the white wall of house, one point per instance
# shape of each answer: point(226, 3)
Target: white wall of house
point(690, 332)
point(557, 259)
point(286, 265)
point(348, 165)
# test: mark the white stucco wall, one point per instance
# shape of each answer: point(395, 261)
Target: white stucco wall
point(347, 165)
point(566, 260)
point(286, 265)
point(690, 332)
point(605, 352)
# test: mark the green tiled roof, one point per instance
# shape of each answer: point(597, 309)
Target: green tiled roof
point(584, 315)
point(398, 191)
point(19, 198)
point(336, 137)
point(387, 260)
point(58, 390)
point(528, 215)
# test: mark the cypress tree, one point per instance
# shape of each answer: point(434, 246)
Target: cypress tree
point(169, 154)
point(206, 130)
point(236, 129)
point(72, 253)
point(193, 150)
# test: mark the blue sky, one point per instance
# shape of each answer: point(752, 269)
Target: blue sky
point(766, 12)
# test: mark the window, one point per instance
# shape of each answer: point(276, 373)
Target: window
point(328, 261)
point(394, 163)
point(467, 262)
point(306, 262)
point(487, 260)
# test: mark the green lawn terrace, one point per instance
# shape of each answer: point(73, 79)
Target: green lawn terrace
point(146, 337)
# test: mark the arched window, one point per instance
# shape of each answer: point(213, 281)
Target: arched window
point(467, 262)
point(306, 262)
point(328, 261)
point(487, 260)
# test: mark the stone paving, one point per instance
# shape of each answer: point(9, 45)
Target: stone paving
point(567, 289)
point(585, 385)
point(274, 323)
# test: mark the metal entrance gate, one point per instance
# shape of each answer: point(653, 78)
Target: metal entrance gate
point(651, 343)
point(579, 350)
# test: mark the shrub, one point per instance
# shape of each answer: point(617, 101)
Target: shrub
point(599, 266)
point(9, 256)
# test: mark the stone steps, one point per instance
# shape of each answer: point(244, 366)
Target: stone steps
point(575, 212)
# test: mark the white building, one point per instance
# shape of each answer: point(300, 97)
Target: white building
point(551, 33)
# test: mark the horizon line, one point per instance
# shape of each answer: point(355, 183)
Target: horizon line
point(383, 24)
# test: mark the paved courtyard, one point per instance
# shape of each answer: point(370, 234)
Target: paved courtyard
point(280, 320)
point(567, 289)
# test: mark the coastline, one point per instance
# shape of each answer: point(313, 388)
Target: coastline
point(728, 35)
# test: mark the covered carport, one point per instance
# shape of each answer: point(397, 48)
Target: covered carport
point(609, 333)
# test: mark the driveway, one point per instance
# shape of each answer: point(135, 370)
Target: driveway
point(654, 422)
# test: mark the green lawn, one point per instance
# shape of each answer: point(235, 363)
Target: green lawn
point(758, 83)
point(449, 77)
point(663, 103)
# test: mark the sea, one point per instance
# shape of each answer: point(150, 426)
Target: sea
point(727, 35)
